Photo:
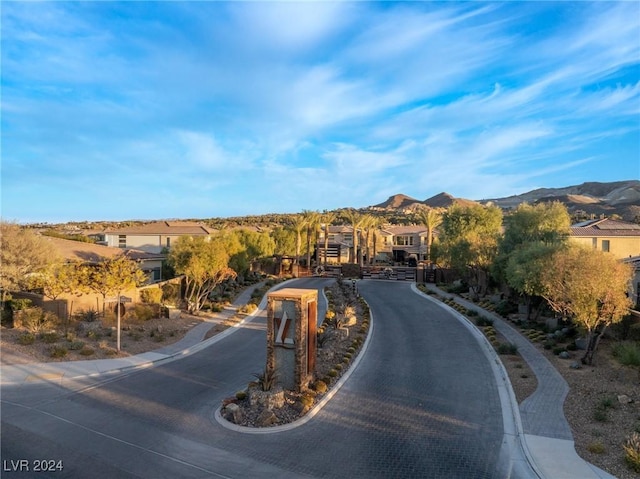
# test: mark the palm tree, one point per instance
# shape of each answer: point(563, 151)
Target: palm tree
point(327, 219)
point(297, 224)
point(354, 218)
point(369, 223)
point(312, 222)
point(431, 218)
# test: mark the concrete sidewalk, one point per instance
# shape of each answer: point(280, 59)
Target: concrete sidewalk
point(192, 342)
point(543, 431)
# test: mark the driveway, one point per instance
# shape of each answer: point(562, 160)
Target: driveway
point(422, 403)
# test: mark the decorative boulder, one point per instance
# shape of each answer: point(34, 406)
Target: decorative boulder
point(268, 399)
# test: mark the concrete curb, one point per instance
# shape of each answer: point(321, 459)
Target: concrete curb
point(315, 410)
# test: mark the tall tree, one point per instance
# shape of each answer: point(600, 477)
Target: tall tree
point(354, 218)
point(327, 219)
point(430, 218)
point(204, 264)
point(590, 287)
point(469, 241)
point(530, 232)
point(298, 223)
point(114, 276)
point(369, 224)
point(312, 223)
point(22, 252)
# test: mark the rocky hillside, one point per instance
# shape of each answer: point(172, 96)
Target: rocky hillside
point(587, 200)
point(590, 199)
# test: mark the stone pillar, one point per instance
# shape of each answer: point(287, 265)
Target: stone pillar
point(292, 318)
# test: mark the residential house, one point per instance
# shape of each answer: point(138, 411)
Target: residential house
point(405, 244)
point(619, 238)
point(154, 237)
point(90, 253)
point(339, 245)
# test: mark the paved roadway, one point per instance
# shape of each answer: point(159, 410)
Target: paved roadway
point(422, 403)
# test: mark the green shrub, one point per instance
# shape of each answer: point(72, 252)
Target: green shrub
point(151, 295)
point(484, 321)
point(320, 386)
point(34, 320)
point(89, 315)
point(144, 312)
point(600, 415)
point(26, 339)
point(86, 351)
point(632, 451)
point(50, 338)
point(471, 312)
point(505, 308)
point(76, 345)
point(58, 351)
point(507, 348)
point(596, 447)
point(266, 379)
point(557, 350)
point(332, 373)
point(170, 293)
point(241, 395)
point(338, 367)
point(627, 353)
point(248, 308)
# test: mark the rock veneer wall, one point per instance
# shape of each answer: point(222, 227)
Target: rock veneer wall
point(291, 336)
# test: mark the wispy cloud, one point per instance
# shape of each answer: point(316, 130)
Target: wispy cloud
point(283, 106)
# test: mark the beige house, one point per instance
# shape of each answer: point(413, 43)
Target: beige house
point(154, 237)
point(619, 238)
point(405, 243)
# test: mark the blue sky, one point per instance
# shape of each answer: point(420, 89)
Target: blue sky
point(143, 110)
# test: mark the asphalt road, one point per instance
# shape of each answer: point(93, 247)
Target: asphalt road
point(422, 403)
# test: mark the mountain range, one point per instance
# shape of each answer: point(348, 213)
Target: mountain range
point(587, 200)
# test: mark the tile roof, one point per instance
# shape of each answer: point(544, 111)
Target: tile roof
point(605, 227)
point(91, 253)
point(165, 228)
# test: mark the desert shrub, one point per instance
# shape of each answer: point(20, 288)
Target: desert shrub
point(306, 400)
point(76, 345)
point(600, 415)
point(627, 353)
point(484, 321)
point(58, 351)
point(50, 337)
point(320, 386)
point(338, 367)
point(110, 351)
point(632, 452)
point(507, 348)
point(248, 308)
point(94, 335)
point(471, 312)
point(170, 293)
point(558, 349)
point(90, 315)
point(266, 379)
point(505, 308)
point(143, 312)
point(596, 447)
point(332, 373)
point(26, 339)
point(241, 395)
point(34, 320)
point(151, 295)
point(86, 351)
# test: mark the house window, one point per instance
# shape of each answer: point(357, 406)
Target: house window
point(156, 274)
point(594, 243)
point(122, 241)
point(348, 237)
point(168, 242)
point(605, 245)
point(404, 240)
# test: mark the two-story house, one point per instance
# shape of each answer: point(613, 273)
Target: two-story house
point(405, 244)
point(154, 237)
point(619, 238)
